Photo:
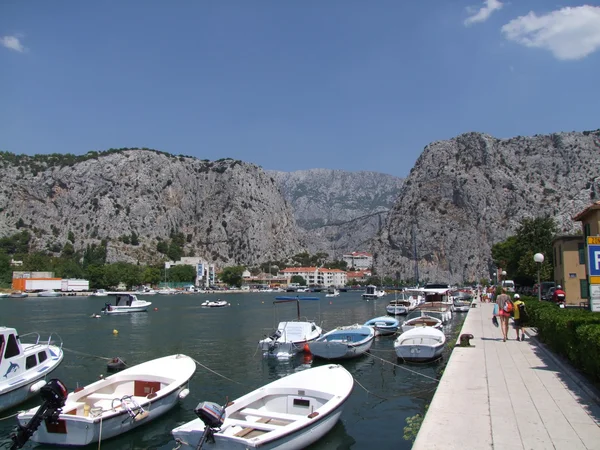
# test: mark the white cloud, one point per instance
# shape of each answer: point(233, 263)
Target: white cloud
point(569, 33)
point(12, 43)
point(483, 13)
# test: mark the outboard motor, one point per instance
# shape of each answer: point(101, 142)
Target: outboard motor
point(54, 394)
point(212, 415)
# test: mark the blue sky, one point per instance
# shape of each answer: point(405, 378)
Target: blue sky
point(345, 84)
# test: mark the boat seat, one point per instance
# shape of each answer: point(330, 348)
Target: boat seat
point(259, 424)
point(270, 414)
point(97, 396)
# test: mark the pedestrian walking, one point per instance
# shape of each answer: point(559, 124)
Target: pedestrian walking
point(505, 307)
point(518, 313)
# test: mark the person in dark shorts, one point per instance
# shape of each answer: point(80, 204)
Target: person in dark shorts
point(519, 307)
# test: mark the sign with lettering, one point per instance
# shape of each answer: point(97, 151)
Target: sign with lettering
point(595, 297)
point(593, 240)
point(593, 259)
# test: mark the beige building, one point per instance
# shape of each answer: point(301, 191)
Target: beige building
point(569, 267)
point(590, 226)
point(317, 276)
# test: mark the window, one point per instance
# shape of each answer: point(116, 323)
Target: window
point(583, 288)
point(581, 251)
point(12, 348)
point(30, 362)
point(42, 357)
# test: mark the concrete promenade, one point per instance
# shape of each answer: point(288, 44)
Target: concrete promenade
point(508, 395)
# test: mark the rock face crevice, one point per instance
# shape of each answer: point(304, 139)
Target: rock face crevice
point(230, 212)
point(339, 211)
point(465, 194)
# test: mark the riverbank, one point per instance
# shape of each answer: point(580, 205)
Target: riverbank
point(512, 394)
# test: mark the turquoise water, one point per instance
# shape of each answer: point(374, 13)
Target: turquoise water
point(224, 340)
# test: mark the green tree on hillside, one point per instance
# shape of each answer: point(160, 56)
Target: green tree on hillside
point(182, 273)
point(232, 276)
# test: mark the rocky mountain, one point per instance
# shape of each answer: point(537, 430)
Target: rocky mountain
point(338, 211)
point(467, 193)
point(231, 212)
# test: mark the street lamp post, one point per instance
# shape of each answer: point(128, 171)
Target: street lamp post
point(503, 277)
point(539, 258)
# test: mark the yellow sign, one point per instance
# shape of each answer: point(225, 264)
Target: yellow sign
point(594, 279)
point(593, 240)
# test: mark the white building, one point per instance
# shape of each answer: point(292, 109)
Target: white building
point(205, 272)
point(319, 276)
point(358, 260)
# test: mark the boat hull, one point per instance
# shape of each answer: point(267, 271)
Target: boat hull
point(125, 309)
point(396, 310)
point(80, 431)
point(117, 404)
point(419, 352)
point(188, 437)
point(15, 391)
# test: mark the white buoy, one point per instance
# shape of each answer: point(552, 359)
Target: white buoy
point(35, 387)
point(184, 393)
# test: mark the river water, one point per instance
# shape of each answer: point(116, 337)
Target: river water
point(224, 342)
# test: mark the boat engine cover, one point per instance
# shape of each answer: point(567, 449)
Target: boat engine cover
point(212, 414)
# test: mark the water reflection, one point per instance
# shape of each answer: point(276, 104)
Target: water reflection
point(224, 341)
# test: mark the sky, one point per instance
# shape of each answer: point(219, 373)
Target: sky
point(294, 85)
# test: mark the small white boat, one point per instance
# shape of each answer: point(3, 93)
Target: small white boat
point(402, 304)
point(126, 303)
point(290, 337)
point(99, 293)
point(290, 413)
point(420, 318)
point(371, 292)
point(215, 304)
point(343, 342)
point(50, 293)
point(18, 294)
point(118, 403)
point(384, 325)
point(4, 295)
point(420, 344)
point(167, 291)
point(23, 365)
point(332, 292)
point(146, 291)
point(461, 305)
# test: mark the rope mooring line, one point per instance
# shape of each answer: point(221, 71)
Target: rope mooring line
point(403, 368)
point(216, 373)
point(87, 354)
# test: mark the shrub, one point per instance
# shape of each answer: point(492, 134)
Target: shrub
point(572, 333)
point(588, 338)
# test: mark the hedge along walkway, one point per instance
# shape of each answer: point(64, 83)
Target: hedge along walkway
point(507, 395)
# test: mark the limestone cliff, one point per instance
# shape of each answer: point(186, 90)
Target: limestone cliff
point(467, 193)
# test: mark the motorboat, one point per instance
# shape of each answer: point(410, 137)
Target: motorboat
point(372, 292)
point(215, 304)
point(167, 291)
point(332, 292)
point(290, 337)
point(461, 305)
point(99, 293)
point(292, 412)
point(437, 301)
point(4, 295)
point(402, 304)
point(116, 404)
point(420, 344)
point(49, 293)
point(420, 318)
point(343, 342)
point(125, 303)
point(146, 291)
point(25, 361)
point(384, 325)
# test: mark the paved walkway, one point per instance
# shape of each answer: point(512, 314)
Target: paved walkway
point(508, 395)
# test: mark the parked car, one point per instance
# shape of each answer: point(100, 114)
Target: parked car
point(549, 294)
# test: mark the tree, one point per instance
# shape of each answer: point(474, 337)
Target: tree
point(151, 275)
point(162, 247)
point(68, 250)
point(298, 279)
point(71, 237)
point(135, 240)
point(232, 276)
point(182, 273)
point(515, 254)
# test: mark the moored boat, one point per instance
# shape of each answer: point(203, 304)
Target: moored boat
point(215, 303)
point(125, 303)
point(343, 342)
point(420, 344)
point(384, 325)
point(118, 403)
point(24, 365)
point(290, 413)
point(420, 318)
point(290, 336)
point(372, 292)
point(49, 293)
